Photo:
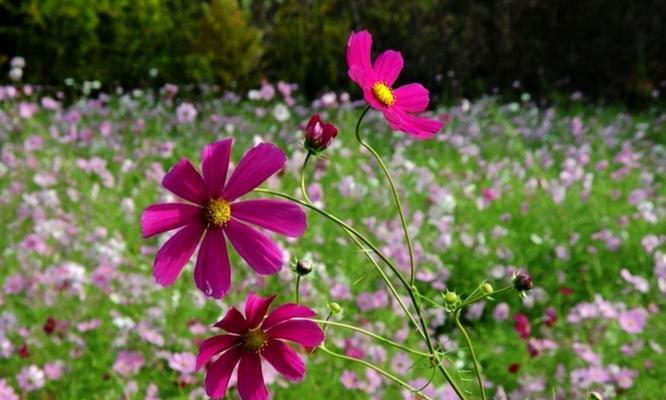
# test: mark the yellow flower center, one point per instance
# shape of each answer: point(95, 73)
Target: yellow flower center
point(254, 340)
point(383, 93)
point(217, 212)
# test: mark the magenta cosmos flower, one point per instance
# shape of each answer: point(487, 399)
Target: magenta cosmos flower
point(255, 336)
point(377, 81)
point(216, 216)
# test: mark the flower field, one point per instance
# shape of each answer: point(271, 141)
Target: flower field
point(575, 197)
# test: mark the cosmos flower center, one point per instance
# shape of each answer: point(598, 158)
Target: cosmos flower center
point(254, 340)
point(383, 93)
point(217, 212)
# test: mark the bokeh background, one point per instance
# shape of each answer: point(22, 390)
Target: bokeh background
point(552, 161)
point(607, 50)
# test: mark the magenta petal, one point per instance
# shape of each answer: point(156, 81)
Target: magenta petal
point(217, 377)
point(257, 165)
point(159, 218)
point(234, 322)
point(388, 66)
point(358, 58)
point(284, 359)
point(304, 332)
point(214, 345)
point(285, 312)
point(411, 98)
point(250, 378)
point(257, 249)
point(420, 128)
point(184, 181)
point(173, 255)
point(212, 272)
point(279, 216)
point(255, 309)
point(215, 163)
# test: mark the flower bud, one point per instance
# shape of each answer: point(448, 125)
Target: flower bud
point(303, 267)
point(487, 289)
point(335, 308)
point(319, 135)
point(595, 396)
point(522, 281)
point(451, 298)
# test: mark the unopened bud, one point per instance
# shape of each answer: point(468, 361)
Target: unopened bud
point(303, 267)
point(487, 289)
point(451, 298)
point(522, 282)
point(335, 308)
point(319, 135)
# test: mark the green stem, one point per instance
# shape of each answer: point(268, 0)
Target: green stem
point(396, 197)
point(358, 243)
point(477, 366)
point(378, 369)
point(374, 335)
point(471, 300)
point(298, 284)
point(304, 192)
point(421, 318)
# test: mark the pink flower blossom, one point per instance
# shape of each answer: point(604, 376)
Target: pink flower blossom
point(377, 81)
point(31, 378)
point(633, 321)
point(522, 326)
point(217, 216)
point(186, 113)
point(254, 336)
point(128, 363)
point(7, 392)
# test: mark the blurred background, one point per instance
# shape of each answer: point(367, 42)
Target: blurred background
point(605, 50)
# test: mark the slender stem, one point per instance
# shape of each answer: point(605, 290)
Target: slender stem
point(410, 290)
point(477, 366)
point(378, 369)
point(355, 239)
point(304, 192)
point(374, 335)
point(471, 300)
point(396, 197)
point(298, 294)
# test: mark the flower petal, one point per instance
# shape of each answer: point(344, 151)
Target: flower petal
point(159, 218)
point(420, 128)
point(285, 312)
point(174, 254)
point(250, 378)
point(284, 359)
point(304, 332)
point(214, 164)
point(257, 165)
point(257, 249)
point(217, 377)
point(255, 309)
point(279, 216)
point(411, 98)
point(184, 181)
point(212, 272)
point(358, 58)
point(234, 322)
point(214, 345)
point(372, 100)
point(388, 66)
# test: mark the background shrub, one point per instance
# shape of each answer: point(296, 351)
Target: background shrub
point(604, 49)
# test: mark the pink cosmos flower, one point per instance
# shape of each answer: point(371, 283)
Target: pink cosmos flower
point(217, 216)
point(377, 81)
point(252, 337)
